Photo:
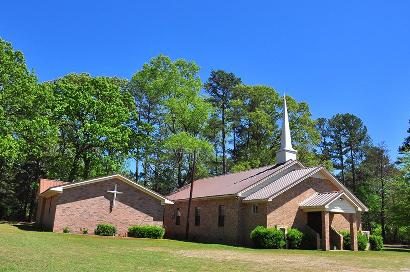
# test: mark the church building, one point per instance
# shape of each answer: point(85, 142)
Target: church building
point(226, 208)
point(83, 205)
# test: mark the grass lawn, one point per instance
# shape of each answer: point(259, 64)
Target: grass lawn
point(26, 250)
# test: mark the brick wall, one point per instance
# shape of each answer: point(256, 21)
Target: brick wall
point(208, 230)
point(284, 209)
point(88, 205)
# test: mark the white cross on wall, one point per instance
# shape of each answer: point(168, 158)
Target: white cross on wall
point(115, 192)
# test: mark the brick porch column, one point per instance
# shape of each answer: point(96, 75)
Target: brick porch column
point(353, 232)
point(325, 231)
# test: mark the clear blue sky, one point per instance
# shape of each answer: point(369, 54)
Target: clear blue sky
point(339, 56)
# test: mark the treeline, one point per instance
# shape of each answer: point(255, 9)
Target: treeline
point(162, 120)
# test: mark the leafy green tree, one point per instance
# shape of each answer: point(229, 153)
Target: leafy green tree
point(93, 118)
point(220, 87)
point(257, 113)
point(168, 101)
point(344, 140)
point(27, 138)
point(377, 173)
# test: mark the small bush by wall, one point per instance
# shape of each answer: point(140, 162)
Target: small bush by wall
point(376, 242)
point(153, 232)
point(267, 237)
point(105, 230)
point(361, 240)
point(294, 238)
point(66, 230)
point(346, 239)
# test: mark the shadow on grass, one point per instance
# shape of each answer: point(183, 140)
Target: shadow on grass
point(26, 226)
point(396, 249)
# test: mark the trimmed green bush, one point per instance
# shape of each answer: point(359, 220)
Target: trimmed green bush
point(346, 239)
point(361, 240)
point(105, 230)
point(153, 232)
point(267, 237)
point(66, 230)
point(376, 242)
point(84, 230)
point(294, 238)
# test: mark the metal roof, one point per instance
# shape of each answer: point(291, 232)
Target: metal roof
point(229, 184)
point(320, 199)
point(282, 184)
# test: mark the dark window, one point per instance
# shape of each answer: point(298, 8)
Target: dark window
point(178, 217)
point(255, 208)
point(221, 215)
point(197, 216)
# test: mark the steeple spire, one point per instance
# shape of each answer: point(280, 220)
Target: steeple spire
point(286, 151)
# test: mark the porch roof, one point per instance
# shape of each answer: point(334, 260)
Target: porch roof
point(320, 199)
point(337, 202)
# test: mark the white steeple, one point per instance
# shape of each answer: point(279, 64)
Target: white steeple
point(286, 151)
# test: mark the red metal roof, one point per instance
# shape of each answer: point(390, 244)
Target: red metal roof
point(229, 184)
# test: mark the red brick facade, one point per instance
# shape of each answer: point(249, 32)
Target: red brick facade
point(90, 204)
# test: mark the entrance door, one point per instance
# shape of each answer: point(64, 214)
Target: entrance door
point(314, 221)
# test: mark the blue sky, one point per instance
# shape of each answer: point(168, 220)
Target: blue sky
point(339, 56)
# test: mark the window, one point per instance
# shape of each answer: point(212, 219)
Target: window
point(197, 216)
point(221, 215)
point(255, 208)
point(178, 217)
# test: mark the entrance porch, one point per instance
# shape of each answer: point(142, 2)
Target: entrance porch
point(321, 208)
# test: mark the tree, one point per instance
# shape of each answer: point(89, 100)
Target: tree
point(377, 173)
point(27, 138)
point(219, 87)
point(93, 117)
point(406, 144)
point(344, 139)
point(256, 114)
point(256, 111)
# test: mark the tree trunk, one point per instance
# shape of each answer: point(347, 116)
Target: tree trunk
point(223, 141)
point(190, 195)
point(353, 170)
point(179, 162)
point(74, 166)
point(87, 166)
point(382, 207)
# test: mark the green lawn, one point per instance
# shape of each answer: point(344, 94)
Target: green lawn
point(26, 250)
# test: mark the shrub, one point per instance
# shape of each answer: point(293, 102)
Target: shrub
point(361, 240)
point(267, 237)
point(84, 230)
point(346, 239)
point(153, 232)
point(294, 238)
point(376, 242)
point(105, 230)
point(66, 230)
point(309, 241)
